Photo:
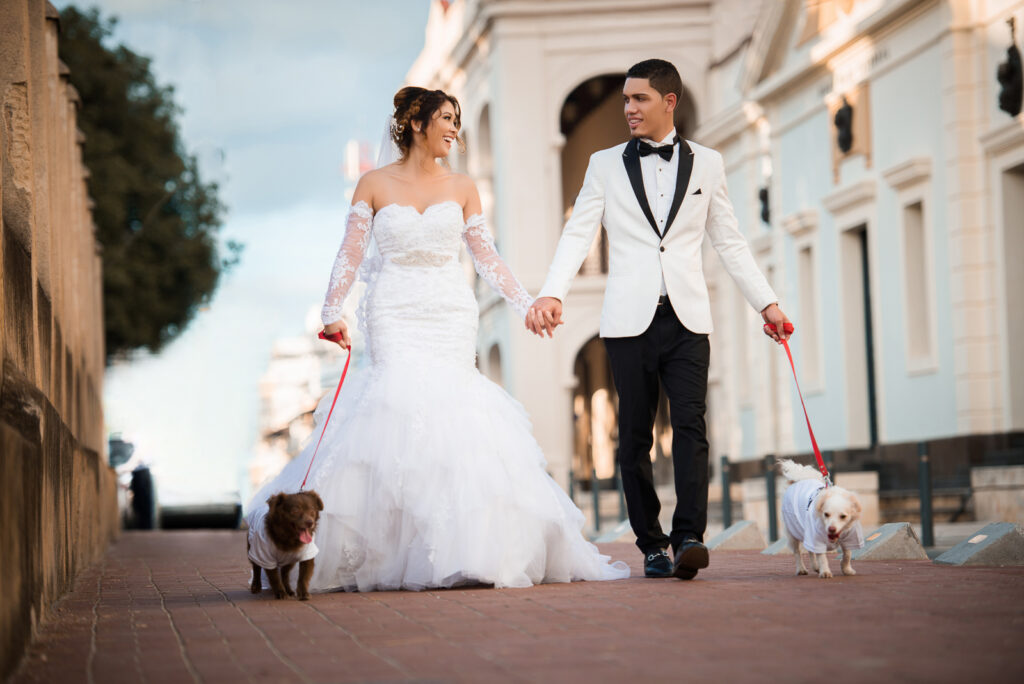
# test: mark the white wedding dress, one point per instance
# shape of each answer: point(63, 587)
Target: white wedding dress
point(429, 472)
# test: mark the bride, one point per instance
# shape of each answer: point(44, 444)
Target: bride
point(429, 472)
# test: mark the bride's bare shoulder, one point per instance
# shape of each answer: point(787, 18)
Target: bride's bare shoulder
point(375, 177)
point(464, 184)
point(372, 184)
point(467, 193)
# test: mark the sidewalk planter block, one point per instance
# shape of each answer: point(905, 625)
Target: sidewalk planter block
point(743, 536)
point(892, 541)
point(778, 548)
point(995, 544)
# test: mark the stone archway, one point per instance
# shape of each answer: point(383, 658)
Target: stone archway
point(494, 372)
point(594, 413)
point(595, 423)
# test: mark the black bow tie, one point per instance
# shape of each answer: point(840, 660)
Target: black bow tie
point(664, 151)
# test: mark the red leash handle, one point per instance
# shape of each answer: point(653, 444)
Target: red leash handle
point(333, 337)
point(330, 337)
point(788, 329)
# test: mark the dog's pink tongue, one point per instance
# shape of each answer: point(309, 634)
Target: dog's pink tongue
point(305, 537)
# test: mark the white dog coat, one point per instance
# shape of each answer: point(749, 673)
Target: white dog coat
point(264, 552)
point(804, 523)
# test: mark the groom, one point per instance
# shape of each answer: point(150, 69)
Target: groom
point(657, 197)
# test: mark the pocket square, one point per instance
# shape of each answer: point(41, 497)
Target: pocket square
point(697, 191)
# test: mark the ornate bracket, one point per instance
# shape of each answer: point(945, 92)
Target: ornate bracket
point(1011, 76)
point(766, 214)
point(844, 126)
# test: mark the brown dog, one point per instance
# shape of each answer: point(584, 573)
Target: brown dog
point(280, 536)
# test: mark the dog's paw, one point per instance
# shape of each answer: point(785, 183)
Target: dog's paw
point(304, 596)
point(290, 591)
point(824, 573)
point(255, 588)
point(280, 595)
point(849, 571)
point(801, 571)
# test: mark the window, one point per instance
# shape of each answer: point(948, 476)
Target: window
point(916, 288)
point(810, 356)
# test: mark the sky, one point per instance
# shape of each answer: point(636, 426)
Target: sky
point(271, 92)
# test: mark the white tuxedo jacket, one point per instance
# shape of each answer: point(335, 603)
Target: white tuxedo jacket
point(613, 195)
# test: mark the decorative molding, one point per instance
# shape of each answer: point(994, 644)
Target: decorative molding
point(767, 39)
point(910, 172)
point(846, 198)
point(729, 124)
point(801, 222)
point(1005, 137)
point(762, 86)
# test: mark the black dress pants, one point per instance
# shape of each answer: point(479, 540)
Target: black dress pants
point(669, 354)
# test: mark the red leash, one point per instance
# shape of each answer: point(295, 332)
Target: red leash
point(788, 328)
point(333, 337)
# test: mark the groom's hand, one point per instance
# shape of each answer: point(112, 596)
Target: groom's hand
point(774, 317)
point(544, 316)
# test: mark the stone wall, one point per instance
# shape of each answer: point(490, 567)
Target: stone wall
point(58, 509)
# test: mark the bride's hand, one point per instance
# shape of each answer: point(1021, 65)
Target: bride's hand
point(544, 316)
point(339, 326)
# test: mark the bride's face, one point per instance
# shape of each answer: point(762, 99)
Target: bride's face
point(442, 131)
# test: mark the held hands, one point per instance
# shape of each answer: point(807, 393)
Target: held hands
point(778, 327)
point(339, 327)
point(544, 316)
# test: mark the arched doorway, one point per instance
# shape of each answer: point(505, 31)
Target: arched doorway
point(595, 407)
point(594, 411)
point(494, 365)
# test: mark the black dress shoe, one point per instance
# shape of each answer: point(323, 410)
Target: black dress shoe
point(658, 564)
point(691, 557)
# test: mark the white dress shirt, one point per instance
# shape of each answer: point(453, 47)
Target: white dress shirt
point(660, 184)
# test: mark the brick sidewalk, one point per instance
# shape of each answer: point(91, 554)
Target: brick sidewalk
point(174, 607)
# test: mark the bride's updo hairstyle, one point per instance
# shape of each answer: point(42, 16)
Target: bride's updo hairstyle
point(419, 104)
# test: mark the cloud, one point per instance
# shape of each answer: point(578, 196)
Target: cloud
point(265, 77)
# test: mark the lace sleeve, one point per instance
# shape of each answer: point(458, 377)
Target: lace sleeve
point(346, 264)
point(491, 267)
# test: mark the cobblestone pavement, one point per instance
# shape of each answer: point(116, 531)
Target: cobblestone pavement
point(174, 607)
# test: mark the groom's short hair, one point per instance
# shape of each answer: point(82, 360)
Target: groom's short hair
point(663, 76)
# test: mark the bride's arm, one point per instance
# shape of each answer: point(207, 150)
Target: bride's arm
point(486, 259)
point(350, 255)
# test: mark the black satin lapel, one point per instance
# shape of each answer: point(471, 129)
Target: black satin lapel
point(631, 158)
point(682, 181)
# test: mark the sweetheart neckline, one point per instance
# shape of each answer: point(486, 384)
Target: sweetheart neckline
point(421, 213)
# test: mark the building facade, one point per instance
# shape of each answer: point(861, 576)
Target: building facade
point(870, 166)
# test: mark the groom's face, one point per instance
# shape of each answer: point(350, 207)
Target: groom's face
point(648, 112)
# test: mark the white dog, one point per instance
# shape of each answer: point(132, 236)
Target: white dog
point(819, 518)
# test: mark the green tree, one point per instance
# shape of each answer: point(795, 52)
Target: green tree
point(156, 220)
